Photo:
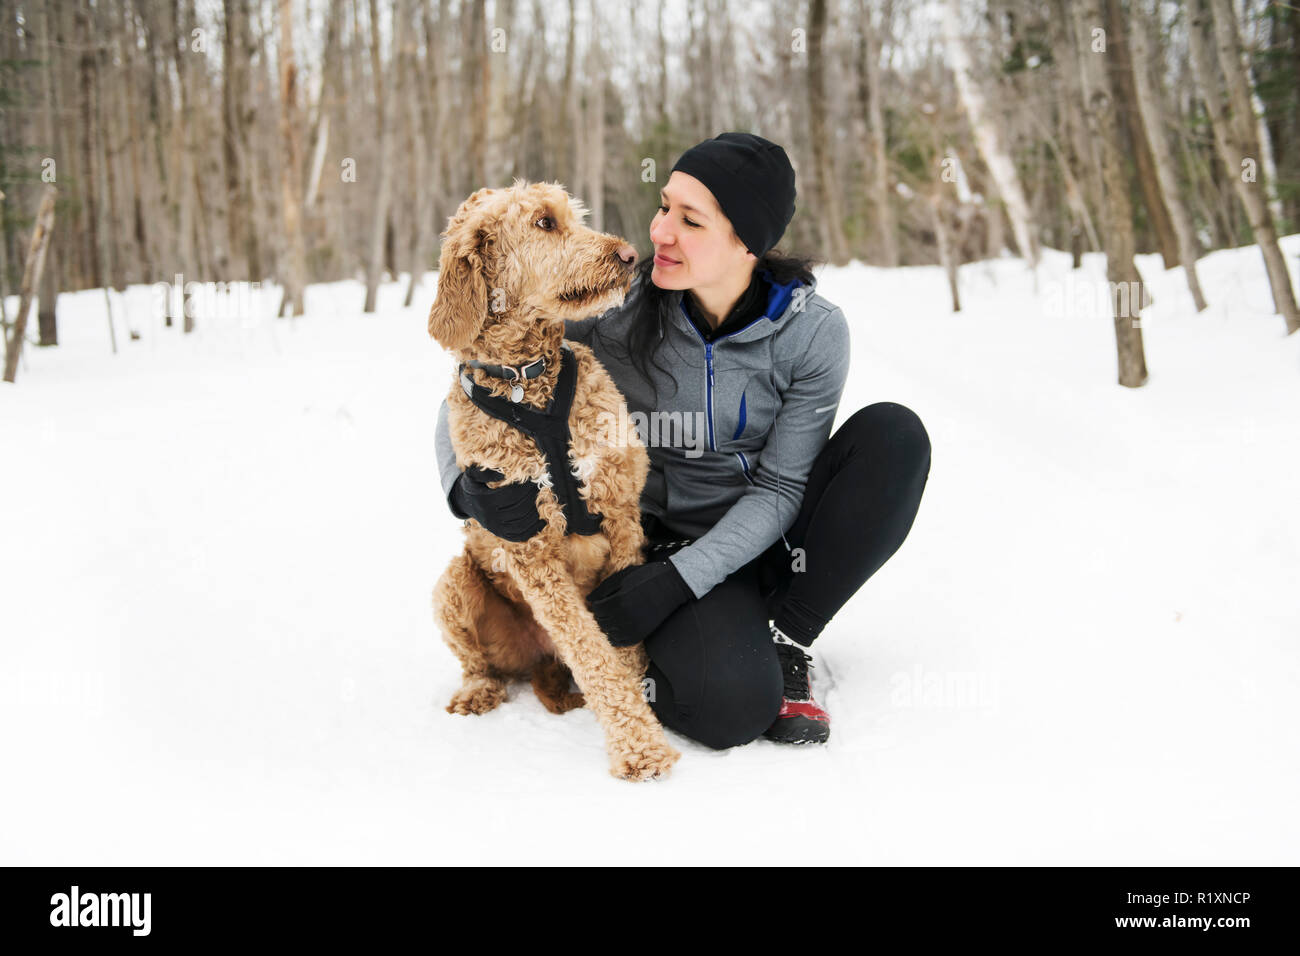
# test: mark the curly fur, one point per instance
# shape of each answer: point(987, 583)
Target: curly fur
point(517, 609)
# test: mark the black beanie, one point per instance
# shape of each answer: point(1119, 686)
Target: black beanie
point(753, 182)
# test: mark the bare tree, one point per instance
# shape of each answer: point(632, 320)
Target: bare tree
point(31, 279)
point(1234, 134)
point(1125, 282)
point(870, 95)
point(1151, 114)
point(387, 96)
point(988, 136)
point(832, 228)
point(293, 273)
point(1122, 85)
point(46, 318)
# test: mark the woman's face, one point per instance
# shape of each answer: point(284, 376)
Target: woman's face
point(695, 245)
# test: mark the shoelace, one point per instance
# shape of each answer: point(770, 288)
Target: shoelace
point(794, 672)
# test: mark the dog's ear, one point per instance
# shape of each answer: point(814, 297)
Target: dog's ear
point(461, 304)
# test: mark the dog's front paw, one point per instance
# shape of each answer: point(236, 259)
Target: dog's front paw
point(477, 696)
point(649, 762)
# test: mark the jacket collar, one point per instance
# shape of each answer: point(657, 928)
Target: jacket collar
point(782, 305)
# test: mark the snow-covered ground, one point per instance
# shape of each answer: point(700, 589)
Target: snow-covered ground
point(217, 551)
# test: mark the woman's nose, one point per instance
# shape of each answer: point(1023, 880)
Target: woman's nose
point(659, 235)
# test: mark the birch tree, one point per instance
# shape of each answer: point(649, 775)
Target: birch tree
point(988, 137)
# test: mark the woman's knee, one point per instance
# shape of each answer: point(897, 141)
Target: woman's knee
point(887, 428)
point(722, 686)
point(735, 714)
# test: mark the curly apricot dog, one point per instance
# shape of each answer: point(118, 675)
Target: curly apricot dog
point(515, 263)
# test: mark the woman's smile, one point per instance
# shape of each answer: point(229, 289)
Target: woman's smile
point(665, 262)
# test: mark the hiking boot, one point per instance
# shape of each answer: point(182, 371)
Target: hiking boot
point(801, 720)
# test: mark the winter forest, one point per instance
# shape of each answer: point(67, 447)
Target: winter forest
point(1065, 233)
point(303, 141)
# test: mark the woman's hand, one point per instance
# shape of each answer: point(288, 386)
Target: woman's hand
point(509, 512)
point(630, 604)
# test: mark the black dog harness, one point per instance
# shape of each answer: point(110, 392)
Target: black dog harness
point(549, 429)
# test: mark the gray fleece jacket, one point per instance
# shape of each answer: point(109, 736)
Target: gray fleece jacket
point(731, 448)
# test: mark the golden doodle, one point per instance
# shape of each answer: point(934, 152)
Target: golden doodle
point(516, 262)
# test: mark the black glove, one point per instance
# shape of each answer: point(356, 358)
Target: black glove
point(509, 512)
point(630, 604)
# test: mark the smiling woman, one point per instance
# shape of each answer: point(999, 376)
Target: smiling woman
point(761, 530)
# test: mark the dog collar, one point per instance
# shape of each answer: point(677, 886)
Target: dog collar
point(511, 373)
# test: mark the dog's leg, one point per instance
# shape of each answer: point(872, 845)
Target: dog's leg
point(551, 685)
point(622, 523)
point(459, 601)
point(626, 541)
point(609, 681)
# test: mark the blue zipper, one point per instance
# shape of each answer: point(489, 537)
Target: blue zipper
point(708, 359)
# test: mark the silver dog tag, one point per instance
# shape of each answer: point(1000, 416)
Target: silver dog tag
point(516, 393)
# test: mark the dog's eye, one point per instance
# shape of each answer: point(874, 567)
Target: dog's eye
point(546, 222)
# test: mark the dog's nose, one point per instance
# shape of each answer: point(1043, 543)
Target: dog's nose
point(626, 255)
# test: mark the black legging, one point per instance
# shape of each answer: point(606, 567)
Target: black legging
point(715, 673)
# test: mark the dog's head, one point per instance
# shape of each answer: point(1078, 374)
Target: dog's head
point(522, 254)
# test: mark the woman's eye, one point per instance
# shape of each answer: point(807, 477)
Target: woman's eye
point(546, 222)
point(693, 225)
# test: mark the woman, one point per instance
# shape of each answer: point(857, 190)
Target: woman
point(760, 524)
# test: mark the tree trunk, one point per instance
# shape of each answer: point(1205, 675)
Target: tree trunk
point(31, 279)
point(232, 74)
point(386, 95)
point(1234, 134)
point(46, 318)
point(422, 147)
point(1151, 115)
point(836, 245)
point(1074, 151)
point(1117, 215)
point(989, 137)
point(596, 169)
point(477, 79)
point(294, 270)
point(89, 139)
point(250, 180)
point(870, 94)
point(165, 246)
point(1121, 76)
point(947, 258)
point(183, 149)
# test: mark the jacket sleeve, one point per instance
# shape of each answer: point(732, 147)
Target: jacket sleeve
point(800, 431)
point(448, 470)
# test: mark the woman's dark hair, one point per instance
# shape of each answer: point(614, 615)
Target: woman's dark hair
point(652, 307)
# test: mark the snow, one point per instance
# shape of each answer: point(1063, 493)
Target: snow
point(218, 553)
